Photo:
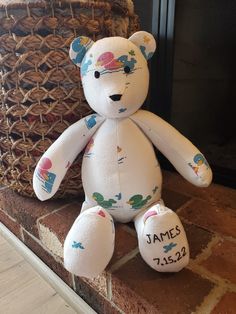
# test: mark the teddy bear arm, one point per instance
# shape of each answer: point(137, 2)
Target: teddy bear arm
point(55, 162)
point(182, 154)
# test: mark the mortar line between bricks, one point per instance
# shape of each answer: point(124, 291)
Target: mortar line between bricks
point(173, 189)
point(106, 297)
point(71, 277)
point(198, 198)
point(185, 220)
point(203, 272)
point(129, 230)
point(117, 308)
point(124, 260)
point(22, 234)
point(52, 212)
point(109, 286)
point(42, 217)
point(229, 238)
point(182, 193)
point(73, 282)
point(207, 251)
point(187, 203)
point(220, 235)
point(10, 217)
point(211, 300)
point(109, 293)
point(214, 203)
point(44, 247)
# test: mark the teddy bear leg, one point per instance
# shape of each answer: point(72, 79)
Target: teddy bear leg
point(89, 245)
point(162, 239)
point(86, 205)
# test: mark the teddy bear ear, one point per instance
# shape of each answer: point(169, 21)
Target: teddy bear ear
point(145, 42)
point(78, 49)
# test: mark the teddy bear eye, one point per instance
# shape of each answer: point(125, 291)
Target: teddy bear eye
point(127, 69)
point(96, 74)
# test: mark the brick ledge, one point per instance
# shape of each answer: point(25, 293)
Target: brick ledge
point(128, 285)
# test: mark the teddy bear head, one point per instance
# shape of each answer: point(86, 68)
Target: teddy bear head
point(114, 72)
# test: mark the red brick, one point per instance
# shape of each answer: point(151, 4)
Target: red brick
point(10, 223)
point(125, 242)
point(96, 300)
point(223, 260)
point(136, 288)
point(173, 199)
point(214, 194)
point(227, 304)
point(61, 221)
point(26, 210)
point(99, 284)
point(198, 239)
point(47, 259)
point(213, 218)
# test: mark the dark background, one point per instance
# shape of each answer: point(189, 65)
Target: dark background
point(193, 82)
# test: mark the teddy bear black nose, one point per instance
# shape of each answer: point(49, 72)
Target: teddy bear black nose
point(115, 97)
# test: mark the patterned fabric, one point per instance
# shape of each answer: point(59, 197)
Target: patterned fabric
point(121, 176)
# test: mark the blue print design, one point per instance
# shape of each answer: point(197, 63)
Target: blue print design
point(47, 180)
point(118, 196)
point(146, 56)
point(80, 46)
point(199, 159)
point(126, 62)
point(91, 122)
point(46, 177)
point(77, 245)
point(49, 183)
point(85, 66)
point(169, 247)
point(79, 57)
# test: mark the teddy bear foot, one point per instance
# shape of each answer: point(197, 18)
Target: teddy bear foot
point(162, 239)
point(89, 244)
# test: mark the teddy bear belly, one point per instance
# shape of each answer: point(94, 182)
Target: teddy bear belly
point(120, 171)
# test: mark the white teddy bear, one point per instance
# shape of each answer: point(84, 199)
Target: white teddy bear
point(121, 175)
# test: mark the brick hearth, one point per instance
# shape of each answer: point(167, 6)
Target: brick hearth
point(128, 285)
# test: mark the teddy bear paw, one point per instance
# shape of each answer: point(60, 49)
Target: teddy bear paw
point(162, 240)
point(89, 244)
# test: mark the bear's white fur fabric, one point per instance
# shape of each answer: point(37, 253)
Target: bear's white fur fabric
point(121, 175)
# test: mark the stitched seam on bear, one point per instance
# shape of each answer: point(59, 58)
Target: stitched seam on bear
point(118, 167)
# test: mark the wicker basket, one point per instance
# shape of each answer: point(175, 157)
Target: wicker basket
point(41, 93)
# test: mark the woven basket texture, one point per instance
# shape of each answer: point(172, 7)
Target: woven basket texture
point(41, 92)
